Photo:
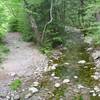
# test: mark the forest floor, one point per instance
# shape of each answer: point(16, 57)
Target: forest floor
point(23, 60)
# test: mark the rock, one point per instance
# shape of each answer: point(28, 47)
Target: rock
point(53, 74)
point(94, 94)
point(66, 63)
point(8, 97)
point(96, 54)
point(66, 81)
point(92, 91)
point(56, 77)
point(54, 66)
point(27, 96)
point(33, 89)
point(16, 97)
point(80, 86)
point(81, 62)
point(95, 77)
point(88, 40)
point(97, 89)
point(85, 66)
point(90, 49)
point(35, 83)
point(13, 74)
point(75, 77)
point(57, 85)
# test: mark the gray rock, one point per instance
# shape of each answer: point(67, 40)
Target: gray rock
point(28, 95)
point(33, 89)
point(16, 97)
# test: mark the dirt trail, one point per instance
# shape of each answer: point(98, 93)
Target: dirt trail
point(24, 59)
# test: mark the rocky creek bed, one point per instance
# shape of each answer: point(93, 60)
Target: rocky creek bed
point(71, 73)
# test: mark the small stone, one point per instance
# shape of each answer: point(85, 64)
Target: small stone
point(8, 97)
point(75, 77)
point(97, 89)
point(81, 62)
point(28, 95)
point(57, 85)
point(54, 66)
point(92, 91)
point(53, 74)
point(16, 97)
point(66, 81)
point(33, 89)
point(97, 73)
point(99, 95)
point(85, 66)
point(66, 63)
point(89, 49)
point(95, 77)
point(35, 83)
point(13, 74)
point(56, 77)
point(80, 86)
point(94, 94)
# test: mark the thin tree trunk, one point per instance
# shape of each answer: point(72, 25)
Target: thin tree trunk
point(33, 23)
point(51, 18)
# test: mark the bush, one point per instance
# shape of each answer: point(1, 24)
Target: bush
point(15, 84)
point(56, 41)
point(13, 25)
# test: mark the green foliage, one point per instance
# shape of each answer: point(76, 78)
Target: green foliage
point(13, 25)
point(15, 84)
point(92, 23)
point(79, 97)
point(3, 19)
point(3, 51)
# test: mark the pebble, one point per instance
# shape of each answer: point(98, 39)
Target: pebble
point(56, 77)
point(28, 95)
point(75, 77)
point(97, 89)
point(66, 81)
point(80, 86)
point(53, 74)
point(92, 91)
point(53, 67)
point(57, 85)
point(8, 97)
point(33, 89)
point(66, 63)
point(35, 83)
point(99, 95)
point(94, 94)
point(95, 77)
point(81, 62)
point(16, 97)
point(13, 74)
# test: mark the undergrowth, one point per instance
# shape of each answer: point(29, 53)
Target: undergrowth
point(15, 84)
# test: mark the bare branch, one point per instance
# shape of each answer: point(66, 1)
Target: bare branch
point(51, 18)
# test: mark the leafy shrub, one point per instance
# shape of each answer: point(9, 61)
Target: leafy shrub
point(56, 41)
point(15, 84)
point(3, 51)
point(13, 25)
